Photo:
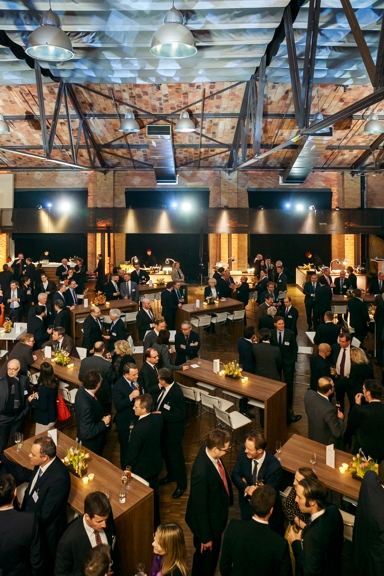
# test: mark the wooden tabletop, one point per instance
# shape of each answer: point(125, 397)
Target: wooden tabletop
point(296, 453)
point(62, 372)
point(80, 309)
point(339, 299)
point(146, 289)
point(222, 306)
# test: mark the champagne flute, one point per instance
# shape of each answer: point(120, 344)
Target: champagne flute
point(313, 459)
point(128, 473)
point(124, 478)
point(278, 448)
point(19, 441)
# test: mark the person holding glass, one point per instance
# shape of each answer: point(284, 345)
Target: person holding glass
point(170, 552)
point(44, 401)
point(14, 407)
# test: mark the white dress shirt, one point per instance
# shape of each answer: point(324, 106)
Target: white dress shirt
point(92, 537)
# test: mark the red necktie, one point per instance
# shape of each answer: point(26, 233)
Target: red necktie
point(98, 538)
point(223, 476)
point(95, 397)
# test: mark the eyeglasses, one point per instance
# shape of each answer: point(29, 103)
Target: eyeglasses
point(226, 450)
point(12, 369)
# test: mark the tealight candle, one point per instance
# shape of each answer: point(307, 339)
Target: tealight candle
point(70, 365)
point(91, 476)
point(221, 373)
point(345, 466)
point(341, 469)
point(85, 479)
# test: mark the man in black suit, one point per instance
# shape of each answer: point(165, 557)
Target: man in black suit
point(245, 347)
point(169, 306)
point(262, 286)
point(144, 452)
point(267, 357)
point(285, 340)
point(47, 493)
point(125, 391)
point(6, 277)
point(379, 319)
point(187, 343)
point(269, 267)
point(309, 291)
point(95, 527)
point(267, 321)
point(60, 295)
point(148, 377)
point(62, 270)
point(139, 276)
point(218, 273)
point(62, 318)
point(35, 326)
point(368, 542)
point(100, 271)
point(151, 337)
point(116, 328)
point(224, 285)
point(326, 276)
point(243, 292)
point(272, 292)
point(46, 286)
point(325, 422)
point(21, 553)
point(60, 341)
point(18, 266)
point(366, 421)
point(42, 300)
point(129, 290)
point(377, 284)
point(320, 365)
point(92, 330)
point(263, 308)
point(92, 424)
point(70, 294)
point(104, 368)
point(145, 319)
point(208, 503)
point(291, 315)
point(328, 332)
point(323, 301)
point(30, 270)
point(13, 403)
point(178, 292)
point(238, 556)
point(14, 299)
point(318, 548)
point(171, 405)
point(359, 317)
point(111, 289)
point(341, 284)
point(22, 352)
point(281, 280)
point(341, 359)
point(255, 466)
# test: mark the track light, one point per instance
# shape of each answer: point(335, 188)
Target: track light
point(373, 125)
point(129, 123)
point(185, 124)
point(49, 42)
point(173, 39)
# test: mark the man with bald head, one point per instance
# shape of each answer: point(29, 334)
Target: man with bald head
point(145, 318)
point(320, 364)
point(325, 422)
point(341, 284)
point(13, 403)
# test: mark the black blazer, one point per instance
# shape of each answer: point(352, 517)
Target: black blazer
point(59, 272)
point(238, 554)
point(359, 317)
point(110, 290)
point(352, 279)
point(174, 416)
point(289, 347)
point(267, 360)
point(48, 318)
point(246, 357)
point(291, 318)
point(23, 353)
point(90, 426)
point(367, 423)
point(21, 552)
point(140, 278)
point(327, 333)
point(149, 381)
point(190, 351)
point(144, 454)
point(208, 502)
point(59, 296)
point(323, 424)
point(143, 323)
point(337, 289)
point(208, 292)
point(322, 545)
point(323, 300)
point(308, 291)
point(75, 544)
point(5, 280)
point(69, 298)
point(281, 282)
point(63, 319)
point(92, 332)
point(169, 303)
point(67, 345)
point(261, 289)
point(24, 383)
point(319, 367)
point(35, 326)
point(51, 288)
point(266, 321)
point(224, 288)
point(374, 286)
point(20, 293)
point(150, 339)
point(117, 332)
point(105, 368)
point(243, 293)
point(357, 375)
point(46, 405)
point(123, 404)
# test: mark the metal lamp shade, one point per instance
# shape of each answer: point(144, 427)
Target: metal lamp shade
point(185, 124)
point(129, 123)
point(50, 44)
point(373, 126)
point(4, 128)
point(173, 41)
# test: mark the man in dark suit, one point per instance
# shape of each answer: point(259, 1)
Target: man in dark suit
point(341, 284)
point(323, 300)
point(238, 557)
point(30, 270)
point(104, 368)
point(267, 357)
point(359, 317)
point(169, 306)
point(14, 299)
point(318, 548)
point(22, 352)
point(272, 292)
point(267, 321)
point(366, 421)
point(6, 277)
point(95, 527)
point(379, 319)
point(325, 422)
point(320, 365)
point(60, 294)
point(148, 377)
point(70, 294)
point(151, 338)
point(326, 276)
point(243, 291)
point(269, 267)
point(341, 359)
point(262, 286)
point(224, 285)
point(111, 289)
point(13, 403)
point(328, 332)
point(377, 284)
point(46, 286)
point(281, 280)
point(255, 466)
point(144, 452)
point(145, 319)
point(285, 340)
point(245, 347)
point(171, 405)
point(291, 315)
point(208, 503)
point(60, 341)
point(309, 291)
point(18, 266)
point(100, 271)
point(21, 553)
point(187, 343)
point(62, 318)
point(128, 289)
point(125, 391)
point(62, 270)
point(92, 330)
point(91, 422)
point(47, 493)
point(139, 276)
point(368, 542)
point(35, 326)
point(116, 328)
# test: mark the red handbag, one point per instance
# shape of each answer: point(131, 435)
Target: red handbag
point(62, 411)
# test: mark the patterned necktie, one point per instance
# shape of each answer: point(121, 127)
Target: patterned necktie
point(160, 398)
point(12, 296)
point(40, 473)
point(286, 311)
point(254, 473)
point(97, 538)
point(223, 476)
point(186, 339)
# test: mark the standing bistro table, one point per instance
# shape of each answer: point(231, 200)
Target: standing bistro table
point(133, 520)
point(188, 311)
point(70, 375)
point(145, 289)
point(15, 333)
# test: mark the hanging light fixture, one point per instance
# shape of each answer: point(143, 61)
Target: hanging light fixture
point(49, 42)
point(173, 39)
point(129, 123)
point(373, 125)
point(185, 124)
point(4, 128)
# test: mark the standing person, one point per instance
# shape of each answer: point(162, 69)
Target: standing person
point(152, 336)
point(13, 403)
point(359, 317)
point(325, 422)
point(100, 271)
point(121, 356)
point(267, 357)
point(170, 551)
point(141, 277)
point(26, 286)
point(62, 318)
point(60, 295)
point(281, 280)
point(116, 329)
point(352, 278)
point(129, 290)
point(243, 292)
point(91, 422)
point(320, 365)
point(145, 319)
point(35, 326)
point(61, 342)
point(6, 277)
point(341, 357)
point(125, 392)
point(92, 330)
point(323, 300)
point(187, 343)
point(62, 270)
point(238, 556)
point(309, 291)
point(291, 508)
point(361, 370)
point(169, 306)
point(148, 377)
point(245, 347)
point(171, 405)
point(104, 368)
point(18, 266)
point(14, 299)
point(23, 352)
point(328, 332)
point(163, 348)
point(291, 315)
point(208, 503)
point(80, 275)
point(70, 294)
point(368, 542)
point(341, 284)
point(111, 289)
point(176, 273)
point(44, 401)
point(45, 286)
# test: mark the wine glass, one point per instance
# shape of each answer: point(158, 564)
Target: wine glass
point(124, 478)
point(140, 569)
point(105, 489)
point(278, 446)
point(313, 459)
point(128, 473)
point(19, 441)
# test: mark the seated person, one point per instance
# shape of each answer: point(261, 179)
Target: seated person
point(211, 289)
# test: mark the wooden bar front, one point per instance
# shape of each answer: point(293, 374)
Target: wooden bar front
point(271, 392)
point(145, 289)
point(339, 299)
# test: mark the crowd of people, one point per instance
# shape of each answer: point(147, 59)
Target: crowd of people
point(301, 535)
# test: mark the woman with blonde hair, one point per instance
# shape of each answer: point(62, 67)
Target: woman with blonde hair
point(170, 552)
point(361, 369)
point(121, 356)
point(176, 273)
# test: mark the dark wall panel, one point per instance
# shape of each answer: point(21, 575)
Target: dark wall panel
point(59, 245)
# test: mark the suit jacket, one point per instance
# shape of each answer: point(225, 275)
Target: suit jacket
point(323, 424)
point(209, 501)
point(90, 426)
point(368, 542)
point(140, 278)
point(24, 383)
point(67, 345)
point(149, 381)
point(48, 318)
point(123, 404)
point(319, 367)
point(35, 326)
point(261, 289)
point(291, 317)
point(133, 293)
point(289, 347)
point(110, 290)
point(75, 544)
point(367, 423)
point(165, 358)
point(30, 272)
point(246, 357)
point(327, 333)
point(59, 296)
point(262, 310)
point(267, 360)
point(238, 556)
point(359, 317)
point(308, 291)
point(150, 339)
point(23, 353)
point(174, 415)
point(104, 367)
point(71, 299)
point(374, 287)
point(45, 407)
point(322, 545)
point(208, 292)
point(20, 545)
point(243, 293)
point(169, 304)
point(352, 279)
point(143, 323)
point(18, 267)
point(270, 472)
point(357, 375)
point(51, 288)
point(59, 272)
point(224, 288)
point(323, 299)
point(19, 293)
point(266, 321)
point(63, 319)
point(190, 351)
point(282, 282)
point(337, 289)
point(92, 332)
point(5, 280)
point(328, 279)
point(144, 454)
point(116, 332)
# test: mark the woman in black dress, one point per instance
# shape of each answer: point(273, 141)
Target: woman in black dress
point(26, 286)
point(44, 400)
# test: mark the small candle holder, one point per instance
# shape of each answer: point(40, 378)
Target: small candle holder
point(91, 476)
point(85, 479)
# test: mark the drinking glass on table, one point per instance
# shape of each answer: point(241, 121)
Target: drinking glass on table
point(19, 438)
point(199, 360)
point(128, 473)
point(105, 489)
point(122, 496)
point(313, 458)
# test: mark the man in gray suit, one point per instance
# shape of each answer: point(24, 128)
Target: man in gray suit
point(325, 422)
point(267, 357)
point(128, 289)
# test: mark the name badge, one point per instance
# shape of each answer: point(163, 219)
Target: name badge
point(289, 316)
point(133, 290)
point(35, 496)
point(113, 333)
point(286, 343)
point(167, 406)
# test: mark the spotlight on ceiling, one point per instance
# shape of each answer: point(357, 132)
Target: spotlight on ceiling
point(312, 207)
point(39, 207)
point(64, 206)
point(4, 128)
point(48, 42)
point(49, 205)
point(174, 204)
point(173, 39)
point(299, 207)
point(373, 125)
point(186, 206)
point(129, 123)
point(287, 204)
point(185, 124)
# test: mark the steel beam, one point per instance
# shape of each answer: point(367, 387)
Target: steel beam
point(292, 60)
point(309, 63)
point(36, 157)
point(234, 150)
point(69, 122)
point(201, 126)
point(260, 104)
point(365, 155)
point(40, 96)
point(379, 70)
point(55, 118)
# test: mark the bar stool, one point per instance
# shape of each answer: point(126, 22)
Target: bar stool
point(201, 322)
point(206, 386)
point(232, 420)
point(219, 321)
point(237, 316)
point(208, 405)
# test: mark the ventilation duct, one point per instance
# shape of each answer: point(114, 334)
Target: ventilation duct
point(306, 159)
point(161, 147)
